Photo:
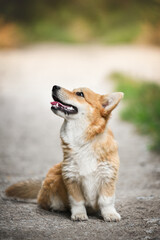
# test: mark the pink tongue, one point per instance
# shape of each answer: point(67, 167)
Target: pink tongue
point(58, 104)
point(54, 103)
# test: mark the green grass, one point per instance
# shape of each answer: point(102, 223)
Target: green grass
point(110, 28)
point(47, 31)
point(107, 22)
point(142, 105)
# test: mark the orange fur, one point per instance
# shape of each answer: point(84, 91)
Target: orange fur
point(74, 190)
point(53, 185)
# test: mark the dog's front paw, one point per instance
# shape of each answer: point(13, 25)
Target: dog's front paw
point(111, 216)
point(79, 217)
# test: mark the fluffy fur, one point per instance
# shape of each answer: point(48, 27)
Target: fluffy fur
point(87, 175)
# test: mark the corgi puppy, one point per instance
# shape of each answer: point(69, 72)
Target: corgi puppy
point(86, 178)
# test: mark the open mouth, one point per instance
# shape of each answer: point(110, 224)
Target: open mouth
point(63, 107)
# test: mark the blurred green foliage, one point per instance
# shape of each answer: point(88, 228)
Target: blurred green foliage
point(142, 105)
point(106, 21)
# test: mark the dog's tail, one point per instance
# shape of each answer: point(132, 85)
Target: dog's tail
point(25, 189)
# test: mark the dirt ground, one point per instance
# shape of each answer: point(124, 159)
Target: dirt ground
point(30, 144)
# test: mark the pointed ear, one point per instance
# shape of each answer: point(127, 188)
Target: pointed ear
point(110, 101)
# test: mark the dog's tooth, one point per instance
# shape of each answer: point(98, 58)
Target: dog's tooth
point(70, 108)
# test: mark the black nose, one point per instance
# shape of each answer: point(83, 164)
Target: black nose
point(55, 88)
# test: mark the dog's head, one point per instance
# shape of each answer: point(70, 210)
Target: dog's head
point(83, 102)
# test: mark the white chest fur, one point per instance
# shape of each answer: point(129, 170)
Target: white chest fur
point(81, 166)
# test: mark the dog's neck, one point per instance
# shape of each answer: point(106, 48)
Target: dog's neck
point(80, 132)
point(73, 131)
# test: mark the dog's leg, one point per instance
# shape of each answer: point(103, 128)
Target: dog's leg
point(53, 194)
point(106, 203)
point(77, 202)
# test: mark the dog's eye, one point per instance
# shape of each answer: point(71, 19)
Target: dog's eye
point(80, 94)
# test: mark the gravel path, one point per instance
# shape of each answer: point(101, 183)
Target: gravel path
point(30, 144)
